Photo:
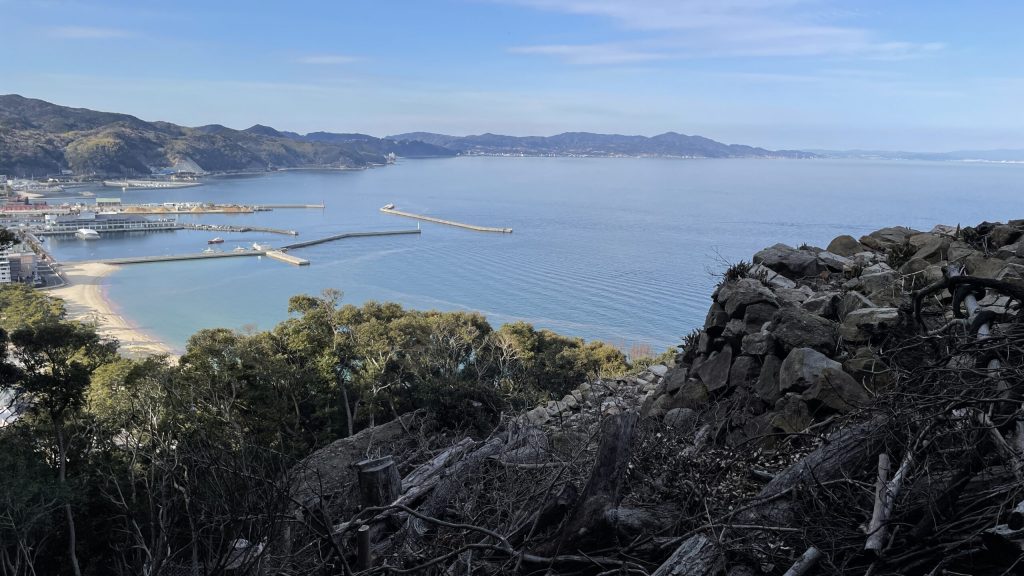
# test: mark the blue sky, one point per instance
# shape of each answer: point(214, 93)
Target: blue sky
point(776, 73)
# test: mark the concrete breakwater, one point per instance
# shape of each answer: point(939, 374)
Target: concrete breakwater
point(229, 228)
point(277, 254)
point(474, 227)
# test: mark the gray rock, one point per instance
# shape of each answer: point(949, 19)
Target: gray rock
point(715, 372)
point(931, 248)
point(692, 394)
point(796, 328)
point(794, 296)
point(871, 283)
point(767, 386)
point(744, 371)
point(959, 250)
point(538, 416)
point(1011, 250)
point(680, 418)
point(716, 319)
point(845, 246)
point(861, 325)
point(834, 262)
point(851, 301)
point(1003, 234)
point(734, 331)
point(773, 278)
point(791, 414)
point(979, 265)
point(789, 261)
point(758, 344)
point(887, 238)
point(803, 367)
point(822, 304)
point(658, 370)
point(757, 315)
point(675, 378)
point(736, 296)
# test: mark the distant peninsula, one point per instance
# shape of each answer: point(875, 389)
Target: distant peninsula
point(38, 138)
point(667, 145)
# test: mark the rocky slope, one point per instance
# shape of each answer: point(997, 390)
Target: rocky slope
point(854, 409)
point(39, 138)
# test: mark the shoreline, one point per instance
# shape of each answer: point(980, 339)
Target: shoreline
point(86, 301)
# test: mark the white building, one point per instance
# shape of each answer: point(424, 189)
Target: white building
point(5, 270)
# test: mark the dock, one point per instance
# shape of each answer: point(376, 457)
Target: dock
point(277, 253)
point(264, 207)
point(446, 222)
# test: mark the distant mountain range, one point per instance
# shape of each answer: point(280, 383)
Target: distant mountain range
point(39, 138)
point(669, 144)
point(957, 155)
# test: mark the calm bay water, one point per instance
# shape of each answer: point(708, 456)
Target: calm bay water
point(616, 249)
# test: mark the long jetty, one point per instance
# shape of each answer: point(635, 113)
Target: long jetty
point(446, 222)
point(347, 235)
point(276, 253)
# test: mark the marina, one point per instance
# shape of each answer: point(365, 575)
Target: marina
point(390, 209)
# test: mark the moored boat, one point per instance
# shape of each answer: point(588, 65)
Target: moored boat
point(87, 234)
point(217, 240)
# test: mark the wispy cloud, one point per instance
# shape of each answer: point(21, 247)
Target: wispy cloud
point(88, 33)
point(328, 59)
point(592, 53)
point(675, 29)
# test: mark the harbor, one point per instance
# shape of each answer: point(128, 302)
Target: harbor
point(390, 209)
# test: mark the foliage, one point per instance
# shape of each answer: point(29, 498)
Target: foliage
point(21, 306)
point(899, 255)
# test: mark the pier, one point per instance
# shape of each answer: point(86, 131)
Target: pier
point(347, 235)
point(277, 253)
point(266, 207)
point(445, 222)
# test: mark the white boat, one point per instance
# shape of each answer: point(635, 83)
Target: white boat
point(239, 249)
point(388, 207)
point(87, 234)
point(260, 247)
point(209, 251)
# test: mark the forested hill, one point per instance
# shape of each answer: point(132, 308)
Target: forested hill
point(39, 138)
point(669, 144)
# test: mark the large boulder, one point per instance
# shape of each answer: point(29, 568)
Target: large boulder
point(930, 247)
point(734, 297)
point(887, 238)
point(861, 325)
point(1003, 234)
point(790, 262)
point(758, 344)
point(744, 371)
point(834, 262)
point(714, 372)
point(822, 304)
point(821, 379)
point(845, 246)
point(797, 328)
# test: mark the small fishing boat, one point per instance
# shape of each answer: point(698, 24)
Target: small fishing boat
point(239, 249)
point(217, 240)
point(209, 251)
point(388, 207)
point(260, 247)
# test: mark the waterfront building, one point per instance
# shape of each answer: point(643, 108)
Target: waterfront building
point(105, 223)
point(108, 203)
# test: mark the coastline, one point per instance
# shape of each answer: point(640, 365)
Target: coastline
point(85, 301)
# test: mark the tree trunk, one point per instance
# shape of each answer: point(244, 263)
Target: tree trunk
point(62, 459)
point(696, 556)
point(587, 523)
point(379, 482)
point(344, 404)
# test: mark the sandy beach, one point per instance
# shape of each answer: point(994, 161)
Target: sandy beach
point(85, 301)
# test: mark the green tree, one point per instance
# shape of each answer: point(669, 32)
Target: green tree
point(57, 359)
